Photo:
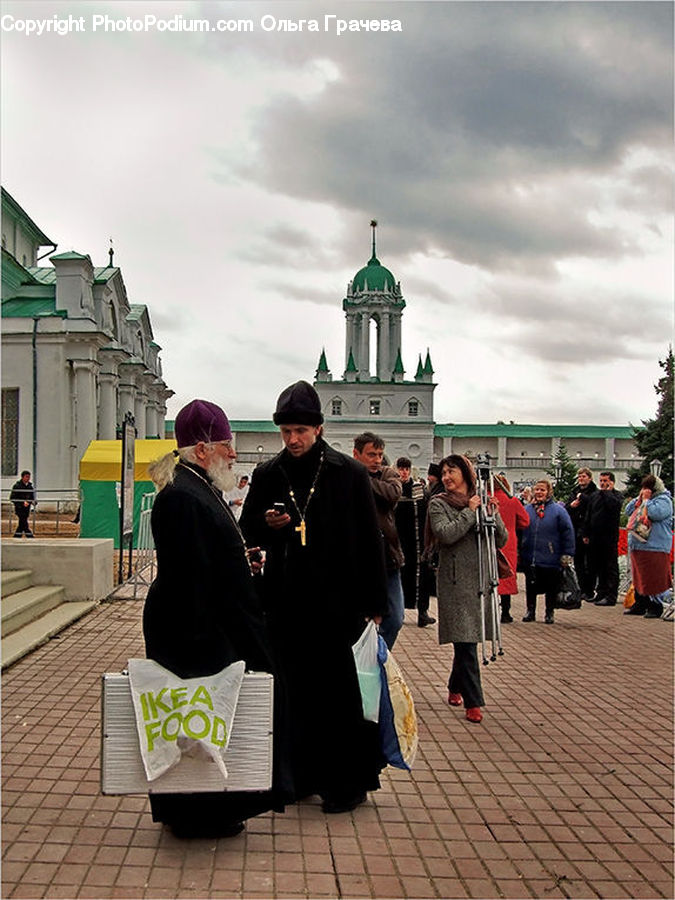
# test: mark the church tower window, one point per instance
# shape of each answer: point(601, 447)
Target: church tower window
point(375, 407)
point(413, 408)
point(336, 408)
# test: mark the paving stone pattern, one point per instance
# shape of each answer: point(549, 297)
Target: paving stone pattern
point(564, 790)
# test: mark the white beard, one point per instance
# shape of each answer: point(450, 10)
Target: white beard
point(222, 475)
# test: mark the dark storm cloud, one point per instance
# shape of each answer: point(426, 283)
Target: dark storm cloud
point(477, 132)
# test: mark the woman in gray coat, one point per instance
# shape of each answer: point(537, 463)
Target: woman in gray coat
point(452, 523)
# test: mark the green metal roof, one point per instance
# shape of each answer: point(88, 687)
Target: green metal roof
point(47, 274)
point(373, 277)
point(534, 431)
point(28, 309)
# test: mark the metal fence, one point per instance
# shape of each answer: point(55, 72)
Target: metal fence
point(54, 508)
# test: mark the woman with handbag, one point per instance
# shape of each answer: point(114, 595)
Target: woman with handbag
point(650, 540)
point(451, 526)
point(549, 538)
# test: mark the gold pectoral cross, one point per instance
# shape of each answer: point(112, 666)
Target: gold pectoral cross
point(302, 528)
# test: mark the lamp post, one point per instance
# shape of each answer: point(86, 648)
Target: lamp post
point(655, 467)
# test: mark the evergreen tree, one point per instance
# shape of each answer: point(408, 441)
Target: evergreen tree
point(563, 472)
point(655, 439)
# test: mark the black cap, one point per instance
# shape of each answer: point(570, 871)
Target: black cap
point(434, 469)
point(299, 404)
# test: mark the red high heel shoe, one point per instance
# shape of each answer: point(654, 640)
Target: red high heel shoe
point(454, 699)
point(474, 714)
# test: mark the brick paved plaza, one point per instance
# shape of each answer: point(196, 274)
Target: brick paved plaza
point(564, 790)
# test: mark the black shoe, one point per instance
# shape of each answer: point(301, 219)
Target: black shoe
point(634, 610)
point(18, 534)
point(528, 617)
point(506, 617)
point(605, 602)
point(205, 830)
point(548, 619)
point(343, 804)
point(588, 599)
point(29, 534)
point(424, 620)
point(654, 613)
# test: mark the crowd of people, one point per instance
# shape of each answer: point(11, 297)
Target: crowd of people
point(285, 568)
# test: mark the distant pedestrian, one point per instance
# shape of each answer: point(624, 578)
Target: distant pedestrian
point(434, 483)
point(515, 520)
point(237, 495)
point(416, 577)
point(452, 526)
point(22, 496)
point(650, 546)
point(600, 533)
point(549, 538)
point(576, 508)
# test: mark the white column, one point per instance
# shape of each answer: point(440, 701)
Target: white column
point(609, 453)
point(501, 452)
point(385, 363)
point(107, 408)
point(140, 404)
point(85, 371)
point(364, 352)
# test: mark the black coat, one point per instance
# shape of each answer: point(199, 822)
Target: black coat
point(317, 598)
point(603, 515)
point(201, 614)
point(578, 513)
point(410, 518)
point(22, 493)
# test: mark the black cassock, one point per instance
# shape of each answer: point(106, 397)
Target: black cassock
point(202, 614)
point(316, 599)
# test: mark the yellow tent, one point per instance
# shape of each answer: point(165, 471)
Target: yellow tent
point(100, 475)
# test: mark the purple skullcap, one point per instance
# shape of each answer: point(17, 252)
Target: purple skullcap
point(201, 421)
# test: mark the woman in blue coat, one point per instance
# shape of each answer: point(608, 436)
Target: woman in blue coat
point(650, 557)
point(549, 538)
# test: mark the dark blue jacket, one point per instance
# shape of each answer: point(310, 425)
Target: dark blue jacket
point(547, 539)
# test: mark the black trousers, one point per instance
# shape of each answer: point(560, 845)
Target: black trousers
point(604, 569)
point(541, 580)
point(465, 676)
point(22, 513)
point(418, 582)
point(582, 566)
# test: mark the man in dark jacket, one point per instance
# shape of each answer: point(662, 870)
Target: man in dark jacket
point(22, 496)
point(411, 514)
point(312, 510)
point(600, 534)
point(202, 613)
point(576, 509)
point(386, 484)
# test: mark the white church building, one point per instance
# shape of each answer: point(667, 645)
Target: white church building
point(77, 356)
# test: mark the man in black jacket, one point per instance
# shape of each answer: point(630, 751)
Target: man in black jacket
point(23, 497)
point(411, 514)
point(312, 510)
point(600, 534)
point(576, 507)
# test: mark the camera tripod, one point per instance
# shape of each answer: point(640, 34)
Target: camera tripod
point(488, 575)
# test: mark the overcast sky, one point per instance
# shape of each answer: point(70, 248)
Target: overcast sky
point(517, 156)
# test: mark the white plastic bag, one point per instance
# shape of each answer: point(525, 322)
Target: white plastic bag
point(368, 670)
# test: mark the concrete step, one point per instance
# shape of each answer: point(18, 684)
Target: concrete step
point(24, 606)
point(14, 580)
point(38, 632)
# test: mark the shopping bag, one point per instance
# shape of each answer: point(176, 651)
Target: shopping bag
point(639, 523)
point(569, 592)
point(368, 671)
point(398, 721)
point(629, 599)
